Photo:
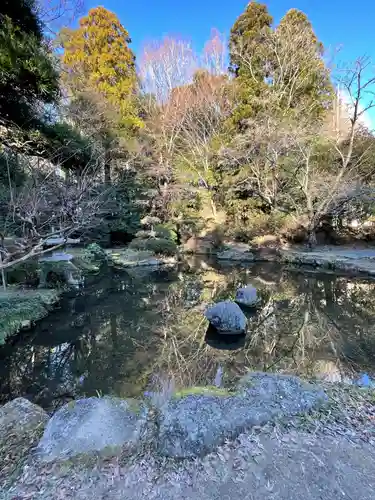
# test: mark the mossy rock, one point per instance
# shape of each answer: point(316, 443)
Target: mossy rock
point(156, 245)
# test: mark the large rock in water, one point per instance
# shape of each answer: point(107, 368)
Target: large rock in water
point(21, 425)
point(194, 425)
point(93, 425)
point(227, 317)
point(247, 296)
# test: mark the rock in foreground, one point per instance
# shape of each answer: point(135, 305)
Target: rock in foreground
point(227, 317)
point(194, 425)
point(21, 425)
point(247, 296)
point(93, 425)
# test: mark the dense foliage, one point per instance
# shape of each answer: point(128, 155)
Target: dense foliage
point(28, 76)
point(92, 141)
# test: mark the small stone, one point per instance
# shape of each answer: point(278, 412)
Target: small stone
point(247, 296)
point(227, 317)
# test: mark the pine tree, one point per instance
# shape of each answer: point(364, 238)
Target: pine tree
point(27, 73)
point(247, 52)
point(304, 75)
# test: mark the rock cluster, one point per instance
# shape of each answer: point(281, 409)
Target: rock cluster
point(188, 424)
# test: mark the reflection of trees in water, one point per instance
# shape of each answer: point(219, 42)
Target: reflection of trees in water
point(317, 325)
point(101, 341)
point(126, 327)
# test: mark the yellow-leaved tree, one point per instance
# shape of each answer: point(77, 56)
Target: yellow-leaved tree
point(100, 75)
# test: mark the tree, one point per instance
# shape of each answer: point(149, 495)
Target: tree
point(56, 14)
point(97, 58)
point(166, 66)
point(28, 77)
point(299, 66)
point(246, 43)
point(99, 72)
point(214, 57)
point(187, 104)
point(44, 204)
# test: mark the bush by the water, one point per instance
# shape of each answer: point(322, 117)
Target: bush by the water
point(156, 245)
point(163, 231)
point(166, 231)
point(94, 253)
point(26, 273)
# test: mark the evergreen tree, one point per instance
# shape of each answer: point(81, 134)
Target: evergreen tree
point(27, 73)
point(247, 51)
point(98, 59)
point(303, 74)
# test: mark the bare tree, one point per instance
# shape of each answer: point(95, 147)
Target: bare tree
point(166, 65)
point(57, 14)
point(46, 205)
point(215, 55)
point(185, 107)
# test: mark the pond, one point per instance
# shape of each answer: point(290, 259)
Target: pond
point(127, 331)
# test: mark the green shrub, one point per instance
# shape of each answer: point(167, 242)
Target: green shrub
point(156, 245)
point(166, 231)
point(94, 253)
point(255, 224)
point(24, 273)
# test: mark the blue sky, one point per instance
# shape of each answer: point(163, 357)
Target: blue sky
point(335, 22)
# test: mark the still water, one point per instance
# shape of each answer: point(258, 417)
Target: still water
point(126, 329)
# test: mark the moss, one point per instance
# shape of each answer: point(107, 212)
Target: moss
point(203, 391)
point(94, 254)
point(156, 245)
point(18, 308)
point(166, 231)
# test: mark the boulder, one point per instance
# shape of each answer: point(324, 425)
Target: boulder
point(236, 251)
point(247, 296)
point(195, 424)
point(93, 425)
point(227, 317)
point(21, 415)
point(21, 425)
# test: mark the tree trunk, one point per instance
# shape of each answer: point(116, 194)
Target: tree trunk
point(311, 240)
point(213, 208)
point(107, 167)
point(3, 272)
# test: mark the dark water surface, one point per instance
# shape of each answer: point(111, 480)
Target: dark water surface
point(125, 329)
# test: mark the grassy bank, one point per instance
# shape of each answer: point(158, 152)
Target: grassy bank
point(21, 308)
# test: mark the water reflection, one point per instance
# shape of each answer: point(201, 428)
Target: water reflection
point(123, 329)
point(222, 341)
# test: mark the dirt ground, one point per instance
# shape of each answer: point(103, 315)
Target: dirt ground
point(284, 466)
